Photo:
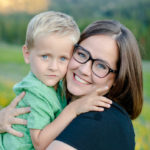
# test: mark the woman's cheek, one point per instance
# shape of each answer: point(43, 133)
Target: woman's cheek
point(103, 82)
point(73, 64)
point(110, 81)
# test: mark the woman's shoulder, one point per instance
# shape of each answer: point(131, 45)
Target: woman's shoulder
point(114, 119)
point(110, 129)
point(115, 112)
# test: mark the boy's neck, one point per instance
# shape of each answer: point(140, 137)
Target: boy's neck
point(55, 87)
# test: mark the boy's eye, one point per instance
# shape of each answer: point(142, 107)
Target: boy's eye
point(63, 58)
point(44, 57)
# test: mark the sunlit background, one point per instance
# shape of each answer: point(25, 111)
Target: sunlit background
point(30, 6)
point(15, 15)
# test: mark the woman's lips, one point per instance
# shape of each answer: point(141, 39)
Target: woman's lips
point(79, 80)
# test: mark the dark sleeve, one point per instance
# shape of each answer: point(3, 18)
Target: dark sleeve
point(93, 131)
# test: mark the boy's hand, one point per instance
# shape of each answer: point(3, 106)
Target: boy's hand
point(8, 114)
point(91, 102)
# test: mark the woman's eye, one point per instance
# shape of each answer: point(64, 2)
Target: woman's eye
point(63, 58)
point(44, 57)
point(101, 66)
point(81, 54)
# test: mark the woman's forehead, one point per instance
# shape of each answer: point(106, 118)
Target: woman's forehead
point(102, 47)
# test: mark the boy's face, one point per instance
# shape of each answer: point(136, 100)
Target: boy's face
point(49, 57)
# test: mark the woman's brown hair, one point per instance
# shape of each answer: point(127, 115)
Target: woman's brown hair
point(128, 88)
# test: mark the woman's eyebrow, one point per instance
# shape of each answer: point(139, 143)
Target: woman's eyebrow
point(104, 61)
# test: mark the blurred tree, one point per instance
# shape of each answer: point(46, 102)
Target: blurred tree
point(134, 14)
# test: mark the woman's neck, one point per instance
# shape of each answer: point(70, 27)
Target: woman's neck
point(73, 98)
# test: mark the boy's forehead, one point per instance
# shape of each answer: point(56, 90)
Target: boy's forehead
point(54, 44)
point(55, 36)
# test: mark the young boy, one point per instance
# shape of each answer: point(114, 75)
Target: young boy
point(50, 39)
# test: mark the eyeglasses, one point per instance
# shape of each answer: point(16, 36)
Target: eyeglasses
point(99, 67)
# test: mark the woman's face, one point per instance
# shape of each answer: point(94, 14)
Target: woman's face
point(80, 78)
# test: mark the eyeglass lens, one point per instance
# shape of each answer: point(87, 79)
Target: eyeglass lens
point(99, 68)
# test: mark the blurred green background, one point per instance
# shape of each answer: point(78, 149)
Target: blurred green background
point(15, 15)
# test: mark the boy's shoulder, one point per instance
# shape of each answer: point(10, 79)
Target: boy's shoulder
point(32, 84)
point(35, 89)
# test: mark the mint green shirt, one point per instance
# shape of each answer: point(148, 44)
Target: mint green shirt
point(46, 104)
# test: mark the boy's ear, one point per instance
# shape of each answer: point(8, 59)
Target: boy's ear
point(26, 54)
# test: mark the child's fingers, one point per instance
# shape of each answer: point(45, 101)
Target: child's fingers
point(17, 99)
point(19, 121)
point(102, 104)
point(104, 99)
point(95, 108)
point(14, 132)
point(19, 111)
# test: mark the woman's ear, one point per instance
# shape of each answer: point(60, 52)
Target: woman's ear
point(26, 54)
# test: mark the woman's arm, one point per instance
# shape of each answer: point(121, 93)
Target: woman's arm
point(8, 114)
point(92, 102)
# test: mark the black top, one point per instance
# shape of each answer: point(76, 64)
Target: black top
point(108, 130)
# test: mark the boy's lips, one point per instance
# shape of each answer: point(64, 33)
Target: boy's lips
point(51, 75)
point(80, 80)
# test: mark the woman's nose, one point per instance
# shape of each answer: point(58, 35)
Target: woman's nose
point(86, 68)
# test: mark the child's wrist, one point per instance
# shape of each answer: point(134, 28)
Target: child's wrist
point(70, 109)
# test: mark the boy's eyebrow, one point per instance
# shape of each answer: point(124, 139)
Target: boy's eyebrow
point(65, 55)
point(47, 53)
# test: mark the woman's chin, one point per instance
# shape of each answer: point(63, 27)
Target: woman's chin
point(76, 92)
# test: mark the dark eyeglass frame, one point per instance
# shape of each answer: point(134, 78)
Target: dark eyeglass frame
point(110, 70)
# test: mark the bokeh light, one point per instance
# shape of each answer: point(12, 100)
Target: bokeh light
point(30, 6)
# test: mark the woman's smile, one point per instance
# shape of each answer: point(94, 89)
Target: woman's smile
point(80, 80)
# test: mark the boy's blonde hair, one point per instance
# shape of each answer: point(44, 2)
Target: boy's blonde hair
point(51, 22)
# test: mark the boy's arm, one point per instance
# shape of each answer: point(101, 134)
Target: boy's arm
point(92, 102)
point(42, 138)
point(57, 145)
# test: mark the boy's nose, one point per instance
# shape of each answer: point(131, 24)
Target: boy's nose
point(53, 65)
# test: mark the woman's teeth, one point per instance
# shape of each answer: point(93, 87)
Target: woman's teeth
point(80, 80)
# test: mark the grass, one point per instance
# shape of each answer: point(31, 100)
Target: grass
point(142, 124)
point(146, 79)
point(13, 69)
point(12, 63)
point(11, 54)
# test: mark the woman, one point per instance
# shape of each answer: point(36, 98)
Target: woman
point(119, 67)
point(107, 54)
